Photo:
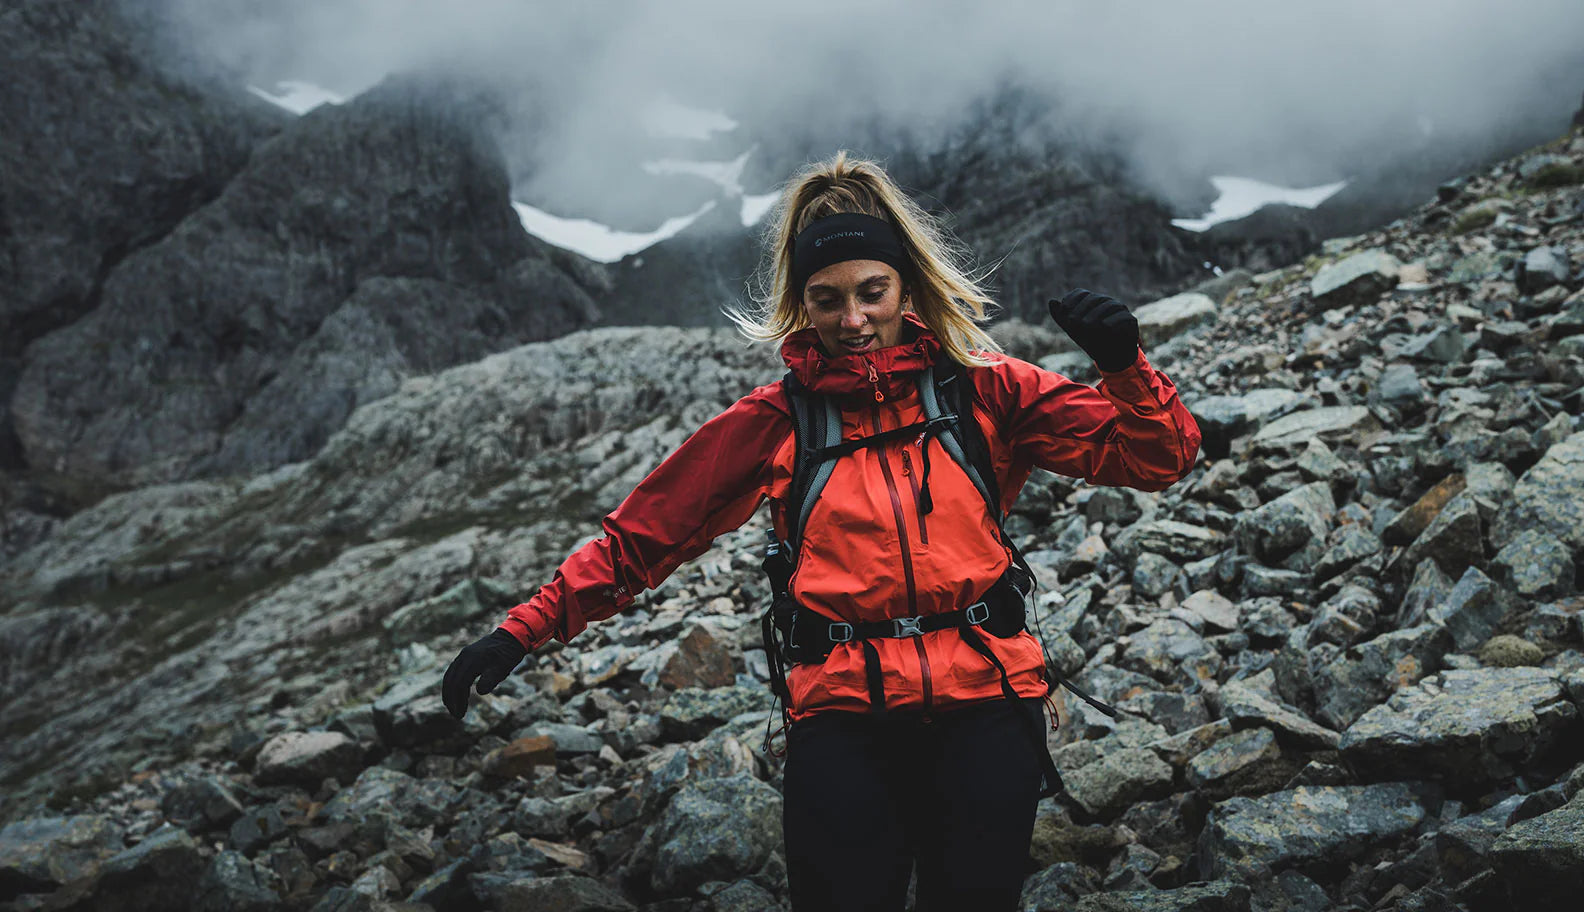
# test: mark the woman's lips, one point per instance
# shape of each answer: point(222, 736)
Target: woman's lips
point(858, 345)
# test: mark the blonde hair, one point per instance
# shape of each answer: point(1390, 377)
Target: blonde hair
point(950, 301)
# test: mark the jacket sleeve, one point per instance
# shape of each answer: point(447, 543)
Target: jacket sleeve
point(710, 485)
point(1131, 431)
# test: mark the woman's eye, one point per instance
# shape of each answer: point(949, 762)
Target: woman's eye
point(874, 296)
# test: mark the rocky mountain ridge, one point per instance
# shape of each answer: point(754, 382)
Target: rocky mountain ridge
point(1348, 646)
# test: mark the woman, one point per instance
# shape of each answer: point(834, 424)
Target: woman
point(916, 731)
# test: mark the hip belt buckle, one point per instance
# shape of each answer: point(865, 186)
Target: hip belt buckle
point(977, 613)
point(840, 632)
point(907, 627)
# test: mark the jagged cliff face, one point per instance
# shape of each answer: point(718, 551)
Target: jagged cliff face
point(103, 154)
point(195, 287)
point(1349, 642)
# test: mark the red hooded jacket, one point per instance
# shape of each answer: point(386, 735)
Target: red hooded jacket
point(869, 551)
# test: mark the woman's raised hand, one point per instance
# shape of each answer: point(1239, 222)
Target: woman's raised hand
point(1102, 326)
point(487, 661)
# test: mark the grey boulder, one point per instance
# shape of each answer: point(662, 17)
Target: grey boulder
point(715, 829)
point(1254, 837)
point(1469, 727)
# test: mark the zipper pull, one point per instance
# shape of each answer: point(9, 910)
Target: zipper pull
point(874, 378)
point(907, 464)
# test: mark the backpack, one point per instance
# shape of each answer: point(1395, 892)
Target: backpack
point(794, 636)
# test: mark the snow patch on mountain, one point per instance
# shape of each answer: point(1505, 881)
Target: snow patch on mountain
point(298, 97)
point(599, 242)
point(1242, 196)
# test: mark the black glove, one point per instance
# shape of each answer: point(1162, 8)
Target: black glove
point(489, 660)
point(1101, 326)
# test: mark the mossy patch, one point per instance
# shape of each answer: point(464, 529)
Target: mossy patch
point(1473, 221)
point(1558, 175)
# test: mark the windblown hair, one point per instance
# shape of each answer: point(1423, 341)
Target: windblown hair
point(950, 301)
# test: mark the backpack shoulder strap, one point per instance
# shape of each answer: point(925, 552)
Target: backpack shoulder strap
point(946, 390)
point(816, 424)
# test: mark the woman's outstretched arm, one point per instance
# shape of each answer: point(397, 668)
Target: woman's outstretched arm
point(710, 485)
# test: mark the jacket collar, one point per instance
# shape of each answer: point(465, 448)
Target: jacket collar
point(894, 366)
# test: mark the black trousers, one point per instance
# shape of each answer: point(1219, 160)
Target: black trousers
point(868, 796)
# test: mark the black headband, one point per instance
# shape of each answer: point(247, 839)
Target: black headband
point(841, 237)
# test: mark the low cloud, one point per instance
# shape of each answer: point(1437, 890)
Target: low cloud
point(1300, 94)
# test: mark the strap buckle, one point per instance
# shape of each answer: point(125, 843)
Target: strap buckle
point(982, 615)
point(907, 627)
point(846, 632)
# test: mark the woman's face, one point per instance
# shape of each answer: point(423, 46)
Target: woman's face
point(855, 306)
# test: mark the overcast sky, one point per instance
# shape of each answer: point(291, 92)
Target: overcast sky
point(1287, 91)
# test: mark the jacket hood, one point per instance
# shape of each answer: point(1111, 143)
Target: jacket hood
point(894, 366)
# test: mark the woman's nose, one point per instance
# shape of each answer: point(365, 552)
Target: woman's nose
point(853, 317)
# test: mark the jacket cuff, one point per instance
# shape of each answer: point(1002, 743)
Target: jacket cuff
point(1139, 361)
point(517, 624)
point(1131, 382)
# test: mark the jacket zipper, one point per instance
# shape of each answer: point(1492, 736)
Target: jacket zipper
point(907, 469)
point(907, 560)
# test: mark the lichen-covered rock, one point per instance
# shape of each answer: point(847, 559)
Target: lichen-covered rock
point(1359, 279)
point(1121, 777)
point(569, 740)
point(1346, 547)
point(1168, 317)
point(1463, 846)
point(1540, 861)
point(1218, 896)
point(1363, 676)
point(701, 660)
point(1215, 609)
point(160, 872)
point(1549, 498)
point(411, 713)
point(1158, 649)
point(1452, 539)
point(1541, 268)
point(1536, 564)
point(234, 884)
point(691, 713)
point(1176, 540)
point(1222, 418)
point(526, 892)
point(307, 758)
point(715, 829)
point(1056, 886)
point(1472, 611)
point(1238, 753)
point(1332, 422)
point(1250, 702)
point(379, 794)
point(42, 853)
point(1254, 837)
point(201, 803)
point(742, 896)
point(1290, 531)
point(1469, 727)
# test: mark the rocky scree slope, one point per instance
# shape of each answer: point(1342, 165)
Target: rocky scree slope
point(1348, 647)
